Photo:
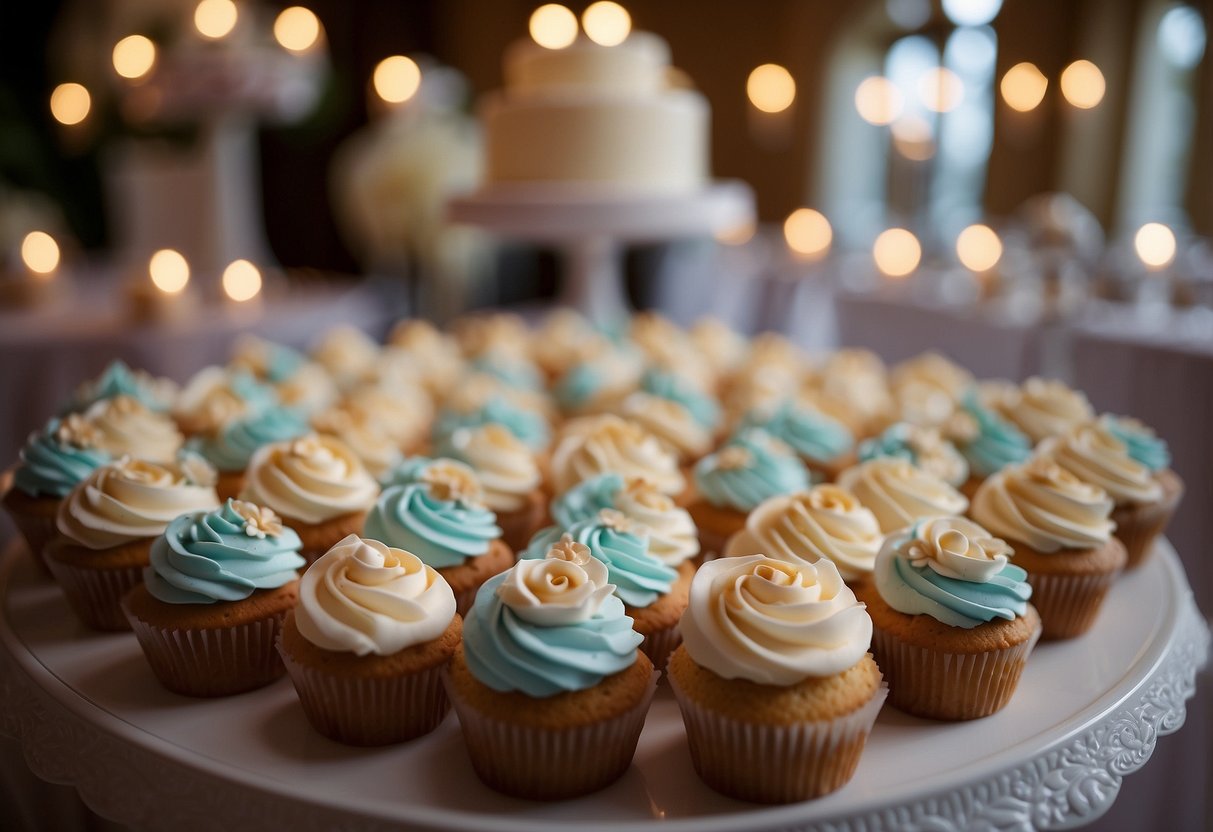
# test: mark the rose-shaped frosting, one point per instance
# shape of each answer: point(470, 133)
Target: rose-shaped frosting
point(504, 465)
point(347, 353)
point(439, 518)
point(1047, 407)
point(266, 360)
point(751, 467)
point(222, 555)
point(234, 445)
point(773, 622)
point(215, 397)
point(608, 443)
point(995, 443)
point(953, 570)
point(58, 457)
point(310, 479)
point(528, 425)
point(670, 422)
point(1045, 506)
point(546, 626)
point(702, 407)
point(120, 380)
point(825, 522)
point(365, 597)
point(638, 576)
point(809, 432)
point(899, 493)
point(1095, 455)
point(131, 500)
point(1142, 443)
point(923, 446)
point(125, 426)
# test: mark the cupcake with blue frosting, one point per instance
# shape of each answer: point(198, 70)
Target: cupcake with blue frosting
point(118, 379)
point(989, 443)
point(213, 599)
point(952, 626)
point(925, 447)
point(824, 443)
point(231, 447)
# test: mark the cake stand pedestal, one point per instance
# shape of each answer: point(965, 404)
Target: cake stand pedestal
point(589, 227)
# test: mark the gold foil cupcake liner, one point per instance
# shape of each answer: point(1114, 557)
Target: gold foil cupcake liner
point(1069, 604)
point(95, 595)
point(550, 763)
point(953, 686)
point(212, 662)
point(776, 763)
point(369, 711)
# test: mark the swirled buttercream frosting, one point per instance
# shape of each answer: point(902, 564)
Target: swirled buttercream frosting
point(604, 444)
point(233, 446)
point(995, 442)
point(125, 426)
point(808, 431)
point(751, 467)
point(923, 446)
point(56, 458)
point(899, 493)
point(503, 463)
point(1047, 407)
point(1142, 443)
point(310, 479)
point(1096, 455)
point(120, 380)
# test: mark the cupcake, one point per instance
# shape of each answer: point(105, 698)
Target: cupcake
point(899, 493)
point(823, 443)
point(605, 444)
point(992, 444)
point(213, 597)
point(752, 467)
point(126, 427)
point(437, 354)
point(723, 348)
point(925, 447)
point(671, 422)
point(441, 518)
point(550, 690)
point(1143, 500)
point(826, 522)
point(509, 475)
point(347, 353)
point(1060, 531)
point(564, 340)
point(952, 626)
point(927, 389)
point(774, 680)
point(231, 447)
point(858, 381)
point(316, 484)
point(106, 526)
point(368, 641)
point(654, 593)
point(598, 384)
point(674, 387)
point(528, 424)
point(265, 360)
point(370, 442)
point(118, 379)
point(216, 396)
point(52, 462)
point(1046, 407)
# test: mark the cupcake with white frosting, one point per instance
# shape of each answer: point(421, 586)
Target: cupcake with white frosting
point(509, 475)
point(774, 679)
point(899, 493)
point(604, 444)
point(125, 426)
point(1046, 407)
point(367, 643)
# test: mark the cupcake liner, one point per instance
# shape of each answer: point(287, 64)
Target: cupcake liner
point(95, 595)
point(212, 662)
point(955, 686)
point(37, 532)
point(547, 763)
point(1137, 528)
point(1068, 604)
point(369, 711)
point(660, 644)
point(776, 763)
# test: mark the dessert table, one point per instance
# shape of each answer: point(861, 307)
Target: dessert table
point(87, 712)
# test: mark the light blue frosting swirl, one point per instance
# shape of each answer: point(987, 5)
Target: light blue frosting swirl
point(526, 425)
point(703, 408)
point(584, 500)
point(516, 373)
point(281, 362)
point(117, 380)
point(767, 474)
point(894, 441)
point(507, 653)
point(49, 468)
point(639, 578)
point(1143, 446)
point(206, 557)
point(810, 433)
point(234, 445)
point(441, 532)
point(998, 443)
point(923, 591)
point(578, 385)
point(406, 472)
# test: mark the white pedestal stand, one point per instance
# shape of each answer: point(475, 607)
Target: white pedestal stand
point(589, 227)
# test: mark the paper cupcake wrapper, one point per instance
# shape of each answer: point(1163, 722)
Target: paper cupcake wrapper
point(1138, 530)
point(659, 645)
point(550, 763)
point(939, 685)
point(95, 595)
point(1068, 604)
point(369, 711)
point(212, 662)
point(37, 532)
point(776, 763)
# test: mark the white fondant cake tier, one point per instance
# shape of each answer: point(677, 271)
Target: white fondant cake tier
point(635, 67)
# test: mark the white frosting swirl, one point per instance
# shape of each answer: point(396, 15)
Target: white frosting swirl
point(934, 370)
point(566, 586)
point(379, 452)
point(125, 426)
point(899, 493)
point(673, 537)
point(309, 388)
point(669, 421)
point(724, 349)
point(402, 413)
point(956, 548)
point(208, 403)
point(503, 463)
point(1094, 455)
point(773, 622)
point(347, 353)
point(311, 479)
point(605, 444)
point(365, 597)
point(437, 355)
point(857, 378)
point(132, 500)
point(1047, 407)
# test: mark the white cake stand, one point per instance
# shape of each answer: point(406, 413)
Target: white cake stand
point(589, 225)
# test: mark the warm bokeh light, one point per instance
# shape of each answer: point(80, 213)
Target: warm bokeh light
point(737, 235)
point(296, 29)
point(40, 253)
point(397, 79)
point(808, 233)
point(241, 280)
point(606, 23)
point(771, 88)
point(553, 26)
point(1083, 85)
point(978, 248)
point(1155, 245)
point(134, 56)
point(940, 90)
point(1023, 87)
point(214, 19)
point(70, 103)
point(913, 139)
point(169, 271)
point(896, 252)
point(878, 100)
